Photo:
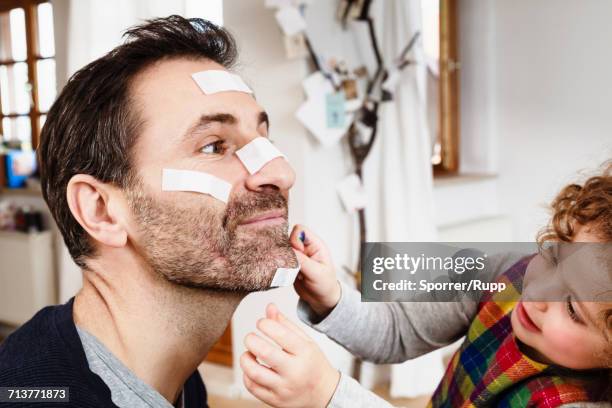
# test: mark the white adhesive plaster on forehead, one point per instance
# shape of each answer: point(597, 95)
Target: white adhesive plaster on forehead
point(195, 181)
point(284, 277)
point(213, 81)
point(255, 154)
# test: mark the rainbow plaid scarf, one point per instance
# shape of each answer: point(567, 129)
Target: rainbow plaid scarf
point(490, 370)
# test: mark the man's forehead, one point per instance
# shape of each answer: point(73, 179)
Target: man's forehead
point(173, 74)
point(167, 89)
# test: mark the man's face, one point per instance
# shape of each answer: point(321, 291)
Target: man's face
point(193, 239)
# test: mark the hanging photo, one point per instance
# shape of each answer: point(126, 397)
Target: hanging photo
point(335, 110)
point(290, 20)
point(349, 86)
point(295, 46)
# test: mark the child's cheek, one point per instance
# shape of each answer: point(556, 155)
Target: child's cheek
point(565, 345)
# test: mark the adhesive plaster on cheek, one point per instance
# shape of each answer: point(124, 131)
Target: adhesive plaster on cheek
point(213, 81)
point(284, 277)
point(255, 154)
point(195, 181)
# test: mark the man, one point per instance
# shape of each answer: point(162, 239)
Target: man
point(163, 270)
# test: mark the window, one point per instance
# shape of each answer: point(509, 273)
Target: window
point(27, 69)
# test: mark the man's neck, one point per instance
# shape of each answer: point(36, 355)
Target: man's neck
point(161, 331)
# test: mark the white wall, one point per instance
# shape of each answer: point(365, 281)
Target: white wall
point(535, 81)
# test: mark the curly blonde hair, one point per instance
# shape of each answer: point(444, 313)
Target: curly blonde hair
point(587, 204)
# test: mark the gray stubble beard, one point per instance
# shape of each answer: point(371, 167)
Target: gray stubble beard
point(205, 249)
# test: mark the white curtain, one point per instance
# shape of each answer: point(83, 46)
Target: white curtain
point(86, 30)
point(398, 173)
point(89, 28)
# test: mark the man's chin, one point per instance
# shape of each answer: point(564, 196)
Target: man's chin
point(273, 230)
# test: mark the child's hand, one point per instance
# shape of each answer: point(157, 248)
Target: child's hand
point(299, 375)
point(316, 283)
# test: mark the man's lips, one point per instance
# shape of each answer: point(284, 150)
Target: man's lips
point(265, 218)
point(524, 318)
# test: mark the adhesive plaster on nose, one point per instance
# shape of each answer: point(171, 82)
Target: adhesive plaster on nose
point(195, 181)
point(257, 153)
point(213, 81)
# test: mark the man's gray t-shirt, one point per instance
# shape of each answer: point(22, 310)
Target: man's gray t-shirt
point(127, 390)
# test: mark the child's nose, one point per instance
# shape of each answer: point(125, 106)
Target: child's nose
point(540, 306)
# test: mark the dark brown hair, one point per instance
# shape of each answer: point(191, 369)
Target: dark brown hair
point(93, 124)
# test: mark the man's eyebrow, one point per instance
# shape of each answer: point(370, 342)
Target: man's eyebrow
point(207, 119)
point(224, 118)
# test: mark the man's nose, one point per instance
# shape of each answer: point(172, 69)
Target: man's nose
point(277, 173)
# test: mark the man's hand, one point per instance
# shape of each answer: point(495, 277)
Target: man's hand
point(296, 376)
point(316, 284)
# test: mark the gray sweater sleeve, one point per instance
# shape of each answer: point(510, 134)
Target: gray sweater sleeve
point(395, 332)
point(390, 332)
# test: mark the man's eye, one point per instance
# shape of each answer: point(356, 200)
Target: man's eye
point(213, 148)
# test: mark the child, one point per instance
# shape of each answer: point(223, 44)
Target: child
point(522, 353)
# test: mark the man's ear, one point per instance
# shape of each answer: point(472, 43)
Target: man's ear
point(95, 205)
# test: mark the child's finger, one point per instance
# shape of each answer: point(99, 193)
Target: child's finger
point(291, 325)
point(308, 268)
point(265, 352)
point(258, 391)
point(297, 237)
point(313, 246)
point(258, 373)
point(281, 335)
point(273, 313)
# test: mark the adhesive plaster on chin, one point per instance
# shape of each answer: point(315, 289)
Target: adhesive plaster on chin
point(195, 181)
point(255, 154)
point(284, 277)
point(213, 81)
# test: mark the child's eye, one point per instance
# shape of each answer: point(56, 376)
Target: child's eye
point(571, 311)
point(214, 148)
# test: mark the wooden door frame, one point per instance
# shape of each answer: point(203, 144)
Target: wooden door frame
point(449, 89)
